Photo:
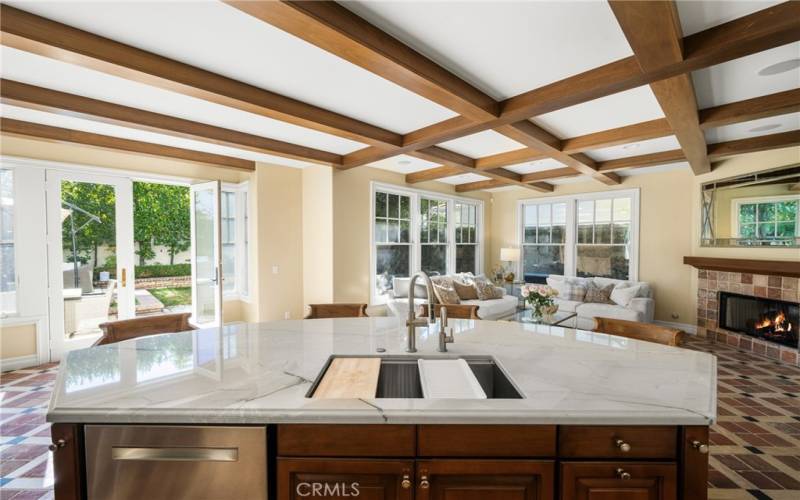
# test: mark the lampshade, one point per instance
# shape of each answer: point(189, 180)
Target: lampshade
point(509, 254)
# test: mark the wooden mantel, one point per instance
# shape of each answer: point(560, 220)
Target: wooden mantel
point(769, 267)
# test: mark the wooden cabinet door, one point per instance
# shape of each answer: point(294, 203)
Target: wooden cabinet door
point(484, 480)
point(335, 478)
point(618, 481)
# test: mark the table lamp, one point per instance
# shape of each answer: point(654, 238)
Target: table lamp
point(509, 255)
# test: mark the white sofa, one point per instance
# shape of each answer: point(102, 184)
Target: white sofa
point(640, 308)
point(487, 309)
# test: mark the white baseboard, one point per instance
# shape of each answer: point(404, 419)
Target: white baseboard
point(19, 362)
point(681, 326)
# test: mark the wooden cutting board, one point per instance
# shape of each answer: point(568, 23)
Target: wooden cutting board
point(350, 378)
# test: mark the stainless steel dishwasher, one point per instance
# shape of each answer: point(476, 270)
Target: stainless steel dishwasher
point(176, 462)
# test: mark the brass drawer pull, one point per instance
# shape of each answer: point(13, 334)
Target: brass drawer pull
point(423, 483)
point(623, 446)
point(406, 483)
point(702, 448)
point(176, 454)
point(58, 444)
point(623, 475)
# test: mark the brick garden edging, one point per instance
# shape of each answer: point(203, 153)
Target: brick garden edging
point(166, 282)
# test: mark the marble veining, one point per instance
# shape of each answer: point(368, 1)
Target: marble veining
point(260, 373)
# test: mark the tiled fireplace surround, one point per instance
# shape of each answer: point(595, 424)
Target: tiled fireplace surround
point(710, 283)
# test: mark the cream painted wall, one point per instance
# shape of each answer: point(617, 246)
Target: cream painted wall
point(664, 234)
point(317, 235)
point(17, 341)
point(351, 226)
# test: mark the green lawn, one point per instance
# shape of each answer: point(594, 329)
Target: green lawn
point(173, 296)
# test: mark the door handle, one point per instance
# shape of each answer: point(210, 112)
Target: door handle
point(176, 454)
point(124, 279)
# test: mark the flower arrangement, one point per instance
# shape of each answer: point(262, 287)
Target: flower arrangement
point(540, 298)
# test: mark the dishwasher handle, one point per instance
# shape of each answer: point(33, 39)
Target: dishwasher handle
point(177, 454)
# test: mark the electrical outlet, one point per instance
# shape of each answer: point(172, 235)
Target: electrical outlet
point(286, 315)
point(274, 269)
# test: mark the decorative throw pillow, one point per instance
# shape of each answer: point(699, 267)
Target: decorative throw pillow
point(597, 294)
point(485, 290)
point(499, 292)
point(624, 294)
point(465, 291)
point(571, 291)
point(445, 295)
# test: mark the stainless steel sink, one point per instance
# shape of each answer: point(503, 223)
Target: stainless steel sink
point(399, 377)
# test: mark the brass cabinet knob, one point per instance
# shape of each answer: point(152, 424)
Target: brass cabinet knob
point(423, 483)
point(623, 475)
point(58, 444)
point(623, 446)
point(406, 482)
point(702, 448)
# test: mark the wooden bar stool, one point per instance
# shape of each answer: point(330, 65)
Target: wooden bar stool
point(116, 331)
point(640, 331)
point(319, 311)
point(458, 311)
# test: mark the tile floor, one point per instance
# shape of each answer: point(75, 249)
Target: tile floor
point(755, 445)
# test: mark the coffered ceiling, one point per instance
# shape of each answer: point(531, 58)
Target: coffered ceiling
point(482, 95)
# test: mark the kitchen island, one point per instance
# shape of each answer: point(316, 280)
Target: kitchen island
point(229, 412)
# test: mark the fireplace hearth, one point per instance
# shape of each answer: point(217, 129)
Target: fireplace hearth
point(772, 320)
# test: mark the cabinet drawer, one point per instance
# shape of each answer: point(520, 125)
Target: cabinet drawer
point(618, 480)
point(321, 440)
point(340, 478)
point(617, 442)
point(486, 441)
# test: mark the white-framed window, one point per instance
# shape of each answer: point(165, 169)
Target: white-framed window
point(419, 230)
point(234, 219)
point(593, 234)
point(767, 218)
point(8, 265)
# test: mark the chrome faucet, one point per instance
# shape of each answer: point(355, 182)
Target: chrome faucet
point(444, 339)
point(413, 322)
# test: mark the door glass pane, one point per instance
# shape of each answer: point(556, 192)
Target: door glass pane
point(89, 264)
point(8, 273)
point(204, 207)
point(228, 222)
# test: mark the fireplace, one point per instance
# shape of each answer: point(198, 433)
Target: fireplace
point(769, 319)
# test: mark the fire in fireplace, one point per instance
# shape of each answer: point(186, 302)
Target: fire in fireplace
point(769, 319)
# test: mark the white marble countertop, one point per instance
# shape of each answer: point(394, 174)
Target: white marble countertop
point(260, 373)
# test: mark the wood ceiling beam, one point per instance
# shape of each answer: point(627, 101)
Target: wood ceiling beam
point(641, 161)
point(555, 173)
point(42, 99)
point(335, 29)
point(56, 134)
point(795, 187)
point(766, 106)
point(35, 34)
point(753, 145)
point(478, 185)
point(768, 28)
point(653, 30)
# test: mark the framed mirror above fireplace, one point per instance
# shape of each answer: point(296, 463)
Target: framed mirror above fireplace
point(764, 318)
point(761, 209)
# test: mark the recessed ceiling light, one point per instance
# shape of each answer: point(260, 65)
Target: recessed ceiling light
point(781, 67)
point(764, 128)
point(630, 147)
point(404, 163)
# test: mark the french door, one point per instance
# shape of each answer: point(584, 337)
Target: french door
point(90, 256)
point(206, 254)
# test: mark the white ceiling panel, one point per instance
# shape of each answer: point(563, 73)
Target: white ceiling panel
point(698, 16)
point(652, 170)
point(463, 178)
point(754, 128)
point(222, 39)
point(535, 166)
point(635, 149)
point(617, 110)
point(74, 123)
point(43, 72)
point(404, 164)
point(504, 48)
point(482, 144)
point(571, 180)
point(739, 79)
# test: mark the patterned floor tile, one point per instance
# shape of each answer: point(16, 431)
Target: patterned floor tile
point(755, 444)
